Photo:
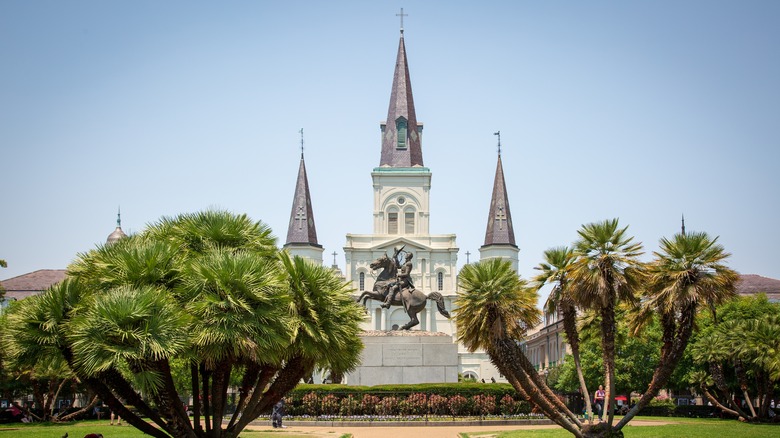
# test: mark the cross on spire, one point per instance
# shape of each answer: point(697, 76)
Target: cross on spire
point(467, 257)
point(402, 15)
point(500, 217)
point(300, 217)
point(334, 257)
point(498, 133)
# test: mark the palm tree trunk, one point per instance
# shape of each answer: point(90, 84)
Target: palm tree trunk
point(717, 403)
point(217, 382)
point(204, 376)
point(570, 327)
point(675, 340)
point(286, 379)
point(56, 395)
point(116, 406)
point(530, 371)
point(169, 403)
point(743, 385)
point(247, 381)
point(251, 405)
point(505, 355)
point(219, 389)
point(83, 410)
point(720, 382)
point(196, 406)
point(608, 352)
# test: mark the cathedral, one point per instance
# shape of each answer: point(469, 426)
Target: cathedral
point(401, 213)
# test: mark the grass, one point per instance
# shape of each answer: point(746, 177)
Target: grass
point(80, 428)
point(682, 427)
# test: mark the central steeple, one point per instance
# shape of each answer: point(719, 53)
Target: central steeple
point(401, 134)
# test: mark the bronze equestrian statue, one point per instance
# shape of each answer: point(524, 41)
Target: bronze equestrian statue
point(394, 287)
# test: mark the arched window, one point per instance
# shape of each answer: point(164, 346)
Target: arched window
point(440, 281)
point(362, 281)
point(392, 222)
point(409, 222)
point(400, 127)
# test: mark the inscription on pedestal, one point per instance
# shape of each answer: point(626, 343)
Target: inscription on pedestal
point(401, 354)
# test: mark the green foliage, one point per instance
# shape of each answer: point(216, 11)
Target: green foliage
point(497, 390)
point(745, 344)
point(493, 302)
point(632, 358)
point(202, 299)
point(406, 400)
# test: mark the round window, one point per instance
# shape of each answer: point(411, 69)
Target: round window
point(401, 200)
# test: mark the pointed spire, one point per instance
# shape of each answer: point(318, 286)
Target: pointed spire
point(118, 233)
point(682, 231)
point(301, 229)
point(401, 142)
point(499, 226)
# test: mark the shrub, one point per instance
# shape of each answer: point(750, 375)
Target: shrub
point(329, 405)
point(349, 406)
point(368, 404)
point(388, 406)
point(508, 405)
point(417, 404)
point(438, 405)
point(662, 402)
point(458, 405)
point(483, 404)
point(311, 404)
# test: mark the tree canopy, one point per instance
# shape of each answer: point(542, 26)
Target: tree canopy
point(207, 290)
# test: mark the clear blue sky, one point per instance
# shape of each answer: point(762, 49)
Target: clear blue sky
point(637, 110)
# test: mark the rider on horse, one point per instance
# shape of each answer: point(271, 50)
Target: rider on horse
point(403, 280)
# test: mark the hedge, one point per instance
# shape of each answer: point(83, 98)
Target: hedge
point(462, 399)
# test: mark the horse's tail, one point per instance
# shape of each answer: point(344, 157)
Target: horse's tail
point(435, 296)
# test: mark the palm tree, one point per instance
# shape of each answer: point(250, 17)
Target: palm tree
point(327, 323)
point(493, 310)
point(607, 271)
point(687, 273)
point(555, 271)
point(209, 288)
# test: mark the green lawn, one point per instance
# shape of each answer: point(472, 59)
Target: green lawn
point(682, 427)
point(80, 428)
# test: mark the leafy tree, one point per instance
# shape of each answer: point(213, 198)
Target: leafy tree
point(208, 289)
point(740, 352)
point(632, 353)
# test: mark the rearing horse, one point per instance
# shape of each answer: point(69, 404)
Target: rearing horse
point(412, 299)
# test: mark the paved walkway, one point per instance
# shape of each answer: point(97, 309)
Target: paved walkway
point(406, 431)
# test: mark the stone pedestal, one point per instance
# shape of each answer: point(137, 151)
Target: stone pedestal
point(398, 357)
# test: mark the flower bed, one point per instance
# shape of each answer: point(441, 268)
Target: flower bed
point(412, 407)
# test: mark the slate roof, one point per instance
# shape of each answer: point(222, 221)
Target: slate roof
point(401, 105)
point(752, 284)
point(499, 224)
point(32, 283)
point(302, 229)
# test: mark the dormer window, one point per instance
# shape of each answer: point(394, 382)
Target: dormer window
point(400, 127)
